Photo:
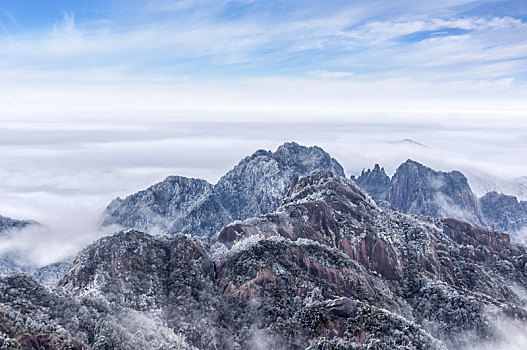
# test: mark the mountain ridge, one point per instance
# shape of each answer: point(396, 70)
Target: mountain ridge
point(257, 183)
point(253, 187)
point(328, 269)
point(420, 190)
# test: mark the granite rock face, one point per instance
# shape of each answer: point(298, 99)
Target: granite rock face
point(375, 182)
point(420, 190)
point(253, 187)
point(327, 270)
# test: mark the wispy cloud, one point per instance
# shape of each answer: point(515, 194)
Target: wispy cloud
point(330, 75)
point(343, 38)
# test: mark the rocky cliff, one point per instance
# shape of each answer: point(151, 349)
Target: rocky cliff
point(417, 189)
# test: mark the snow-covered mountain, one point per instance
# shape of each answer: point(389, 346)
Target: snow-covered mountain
point(503, 212)
point(253, 187)
point(176, 204)
point(256, 185)
point(14, 224)
point(327, 270)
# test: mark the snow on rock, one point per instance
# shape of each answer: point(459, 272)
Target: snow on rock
point(328, 269)
point(253, 187)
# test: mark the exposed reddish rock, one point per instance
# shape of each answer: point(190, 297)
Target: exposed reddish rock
point(494, 242)
point(35, 342)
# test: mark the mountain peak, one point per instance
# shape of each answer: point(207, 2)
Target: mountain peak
point(415, 164)
point(375, 182)
point(157, 207)
point(418, 189)
point(255, 186)
point(504, 212)
point(306, 159)
point(182, 179)
point(325, 186)
point(421, 190)
point(291, 145)
point(258, 153)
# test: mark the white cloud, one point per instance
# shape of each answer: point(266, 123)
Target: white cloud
point(215, 42)
point(511, 333)
point(497, 83)
point(329, 75)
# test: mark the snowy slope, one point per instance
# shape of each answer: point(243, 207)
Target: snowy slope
point(253, 187)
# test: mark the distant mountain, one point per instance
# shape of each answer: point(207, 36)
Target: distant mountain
point(482, 184)
point(503, 212)
point(417, 189)
point(9, 224)
point(48, 275)
point(10, 261)
point(177, 204)
point(375, 182)
point(409, 142)
point(253, 187)
point(420, 190)
point(327, 270)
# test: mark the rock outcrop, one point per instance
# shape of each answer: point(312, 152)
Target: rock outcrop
point(375, 182)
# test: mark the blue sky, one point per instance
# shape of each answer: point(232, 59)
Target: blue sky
point(96, 64)
point(474, 42)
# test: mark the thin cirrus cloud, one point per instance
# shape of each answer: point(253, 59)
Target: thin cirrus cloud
point(180, 36)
